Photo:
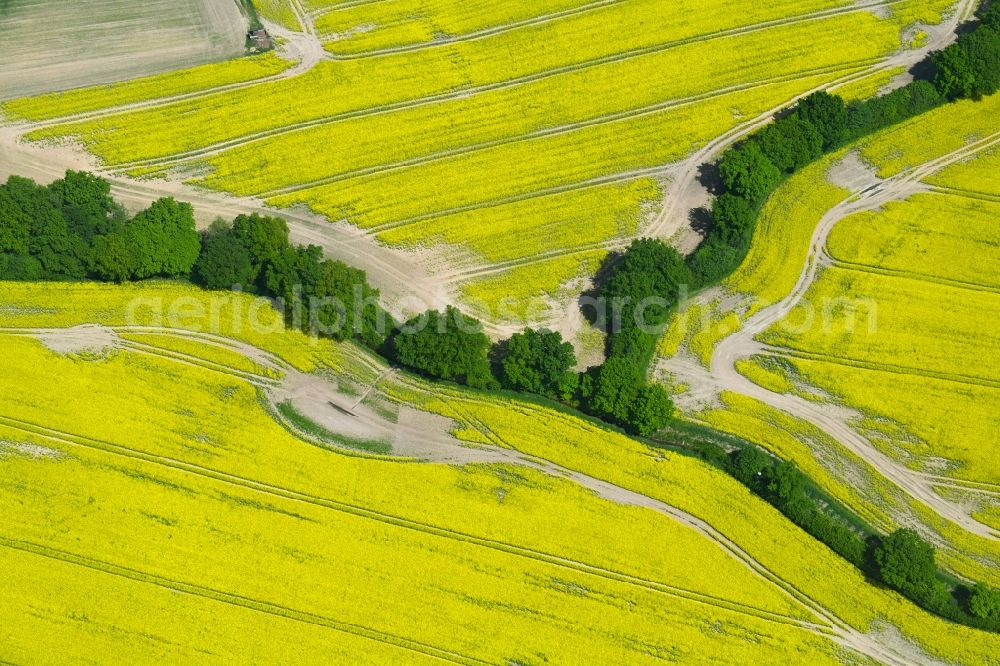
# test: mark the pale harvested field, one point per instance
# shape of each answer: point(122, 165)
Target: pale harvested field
point(53, 45)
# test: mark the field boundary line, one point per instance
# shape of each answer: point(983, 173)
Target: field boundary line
point(187, 359)
point(891, 368)
point(490, 31)
point(859, 267)
point(965, 194)
point(623, 177)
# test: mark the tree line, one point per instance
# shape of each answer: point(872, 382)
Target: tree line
point(822, 123)
point(73, 229)
point(635, 304)
point(903, 560)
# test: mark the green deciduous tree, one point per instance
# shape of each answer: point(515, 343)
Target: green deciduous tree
point(734, 217)
point(15, 216)
point(953, 75)
point(446, 345)
point(982, 51)
point(538, 362)
point(785, 484)
point(166, 239)
point(748, 464)
point(790, 143)
point(86, 203)
point(616, 386)
point(906, 562)
point(20, 267)
point(114, 257)
point(748, 173)
point(985, 602)
point(651, 410)
point(828, 114)
point(224, 261)
point(265, 238)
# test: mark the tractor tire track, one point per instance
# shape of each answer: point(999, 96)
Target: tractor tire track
point(842, 632)
point(229, 598)
point(891, 368)
point(742, 344)
point(487, 87)
point(555, 16)
point(559, 130)
point(66, 438)
point(908, 275)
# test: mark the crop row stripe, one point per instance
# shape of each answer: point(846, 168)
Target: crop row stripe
point(363, 512)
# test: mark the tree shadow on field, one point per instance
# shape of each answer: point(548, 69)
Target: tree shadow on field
point(701, 220)
point(589, 300)
point(709, 178)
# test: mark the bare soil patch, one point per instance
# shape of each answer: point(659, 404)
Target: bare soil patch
point(50, 46)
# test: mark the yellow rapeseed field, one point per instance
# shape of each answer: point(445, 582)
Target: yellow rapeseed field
point(466, 112)
point(184, 478)
point(193, 80)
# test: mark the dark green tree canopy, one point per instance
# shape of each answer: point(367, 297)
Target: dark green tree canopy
point(224, 261)
point(748, 173)
point(537, 362)
point(953, 75)
point(446, 345)
point(734, 217)
point(982, 49)
point(790, 143)
point(906, 562)
point(86, 203)
point(827, 114)
point(264, 237)
point(18, 205)
point(985, 602)
point(651, 410)
point(748, 465)
point(785, 483)
point(650, 268)
point(616, 386)
point(115, 257)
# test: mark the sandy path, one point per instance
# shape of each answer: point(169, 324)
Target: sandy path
point(686, 193)
point(742, 345)
point(439, 447)
point(498, 85)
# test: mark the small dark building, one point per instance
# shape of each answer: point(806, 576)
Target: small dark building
point(259, 40)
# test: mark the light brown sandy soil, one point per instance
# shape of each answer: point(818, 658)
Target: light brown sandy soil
point(86, 339)
point(51, 45)
point(832, 420)
point(425, 436)
point(686, 193)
